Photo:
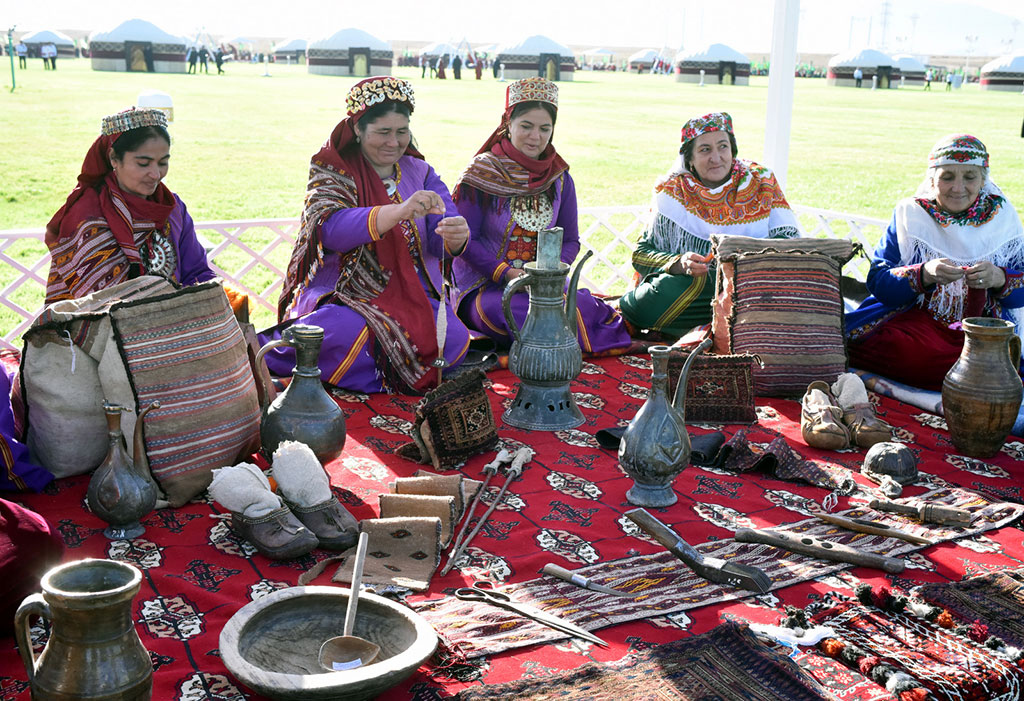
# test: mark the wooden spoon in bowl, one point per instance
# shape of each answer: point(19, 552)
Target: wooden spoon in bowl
point(349, 651)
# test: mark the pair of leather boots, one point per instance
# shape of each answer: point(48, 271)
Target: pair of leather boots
point(840, 416)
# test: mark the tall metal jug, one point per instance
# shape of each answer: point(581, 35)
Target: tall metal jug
point(656, 447)
point(304, 412)
point(94, 651)
point(545, 353)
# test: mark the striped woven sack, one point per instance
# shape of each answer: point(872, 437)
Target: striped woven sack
point(779, 299)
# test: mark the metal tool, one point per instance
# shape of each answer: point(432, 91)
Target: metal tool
point(584, 582)
point(522, 456)
point(928, 513)
point(822, 549)
point(490, 470)
point(481, 591)
point(713, 569)
point(863, 526)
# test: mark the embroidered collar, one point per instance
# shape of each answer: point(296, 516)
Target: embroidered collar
point(981, 212)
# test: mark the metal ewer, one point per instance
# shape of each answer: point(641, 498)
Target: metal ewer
point(545, 353)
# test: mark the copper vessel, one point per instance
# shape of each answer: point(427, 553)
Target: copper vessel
point(94, 651)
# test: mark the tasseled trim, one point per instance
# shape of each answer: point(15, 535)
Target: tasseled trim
point(666, 235)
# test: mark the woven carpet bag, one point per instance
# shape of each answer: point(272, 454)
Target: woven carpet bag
point(779, 299)
point(133, 344)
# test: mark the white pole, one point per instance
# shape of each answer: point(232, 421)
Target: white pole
point(780, 87)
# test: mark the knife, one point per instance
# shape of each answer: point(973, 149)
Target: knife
point(584, 582)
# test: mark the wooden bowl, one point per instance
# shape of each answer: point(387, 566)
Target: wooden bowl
point(272, 644)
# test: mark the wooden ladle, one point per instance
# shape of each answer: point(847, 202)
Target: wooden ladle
point(350, 651)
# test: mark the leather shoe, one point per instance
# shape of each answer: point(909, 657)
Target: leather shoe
point(866, 428)
point(821, 421)
point(278, 535)
point(330, 522)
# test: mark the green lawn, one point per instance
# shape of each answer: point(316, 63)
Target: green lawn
point(242, 141)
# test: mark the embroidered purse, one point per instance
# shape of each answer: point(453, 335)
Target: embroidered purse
point(720, 388)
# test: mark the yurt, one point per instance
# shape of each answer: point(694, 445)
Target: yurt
point(721, 65)
point(871, 63)
point(911, 70)
point(439, 49)
point(1004, 73)
point(642, 61)
point(537, 56)
point(350, 52)
point(35, 40)
point(291, 51)
point(137, 45)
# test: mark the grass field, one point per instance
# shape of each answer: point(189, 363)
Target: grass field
point(242, 141)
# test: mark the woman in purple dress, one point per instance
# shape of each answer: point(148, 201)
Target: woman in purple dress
point(369, 260)
point(515, 186)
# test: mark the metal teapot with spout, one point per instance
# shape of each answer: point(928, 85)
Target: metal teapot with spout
point(656, 447)
point(545, 353)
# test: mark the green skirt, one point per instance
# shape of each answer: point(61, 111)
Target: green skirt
point(671, 304)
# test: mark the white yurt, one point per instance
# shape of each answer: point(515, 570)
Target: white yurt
point(1004, 73)
point(642, 61)
point(912, 71)
point(137, 45)
point(290, 51)
point(35, 40)
point(350, 52)
point(721, 65)
point(438, 48)
point(871, 63)
point(537, 56)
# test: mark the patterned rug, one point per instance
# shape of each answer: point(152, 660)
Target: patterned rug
point(996, 600)
point(728, 663)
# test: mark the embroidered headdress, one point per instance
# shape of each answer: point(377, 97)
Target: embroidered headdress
point(958, 149)
point(372, 91)
point(132, 118)
point(531, 90)
point(715, 121)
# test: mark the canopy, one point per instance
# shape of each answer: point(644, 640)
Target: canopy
point(137, 30)
point(46, 36)
point(348, 38)
point(909, 64)
point(1011, 63)
point(864, 58)
point(535, 46)
point(438, 48)
point(597, 52)
point(712, 53)
point(643, 56)
point(289, 45)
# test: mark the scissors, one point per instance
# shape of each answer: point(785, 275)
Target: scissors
point(484, 591)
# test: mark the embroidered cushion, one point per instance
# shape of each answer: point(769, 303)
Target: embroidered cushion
point(779, 299)
point(719, 389)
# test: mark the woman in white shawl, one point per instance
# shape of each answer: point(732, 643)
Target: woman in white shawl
point(707, 191)
point(954, 250)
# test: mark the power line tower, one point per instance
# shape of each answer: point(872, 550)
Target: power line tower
point(886, 12)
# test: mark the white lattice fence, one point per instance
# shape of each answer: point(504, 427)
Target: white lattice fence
point(253, 256)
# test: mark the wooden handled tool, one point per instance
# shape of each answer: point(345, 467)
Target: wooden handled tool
point(928, 513)
point(713, 569)
point(823, 549)
point(581, 581)
point(862, 526)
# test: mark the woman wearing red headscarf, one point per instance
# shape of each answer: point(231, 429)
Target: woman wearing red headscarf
point(516, 186)
point(121, 221)
point(368, 264)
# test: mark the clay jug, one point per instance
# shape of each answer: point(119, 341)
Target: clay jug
point(304, 412)
point(122, 491)
point(94, 651)
point(981, 393)
point(656, 447)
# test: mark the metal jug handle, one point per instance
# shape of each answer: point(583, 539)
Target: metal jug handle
point(506, 303)
point(1015, 351)
point(33, 605)
point(285, 340)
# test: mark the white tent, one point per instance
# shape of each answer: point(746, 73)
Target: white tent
point(65, 44)
point(438, 48)
point(912, 71)
point(642, 60)
point(537, 55)
point(872, 63)
point(137, 45)
point(720, 63)
point(290, 50)
point(350, 52)
point(597, 54)
point(1004, 73)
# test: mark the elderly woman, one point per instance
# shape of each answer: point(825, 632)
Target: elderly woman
point(708, 191)
point(121, 221)
point(368, 262)
point(954, 250)
point(515, 186)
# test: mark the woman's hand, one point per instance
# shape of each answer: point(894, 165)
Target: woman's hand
point(940, 271)
point(512, 273)
point(691, 264)
point(455, 232)
point(420, 204)
point(985, 276)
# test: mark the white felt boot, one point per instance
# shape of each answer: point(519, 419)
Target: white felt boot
point(307, 492)
point(858, 414)
point(244, 489)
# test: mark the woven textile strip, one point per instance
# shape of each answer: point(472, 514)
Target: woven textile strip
point(186, 351)
point(727, 663)
point(950, 667)
point(996, 599)
point(668, 586)
point(719, 389)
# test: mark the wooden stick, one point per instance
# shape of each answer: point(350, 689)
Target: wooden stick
point(862, 526)
point(822, 549)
